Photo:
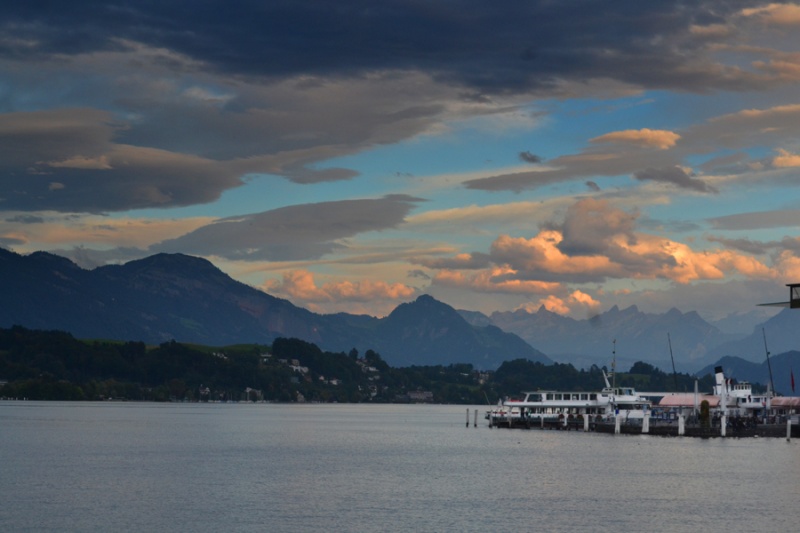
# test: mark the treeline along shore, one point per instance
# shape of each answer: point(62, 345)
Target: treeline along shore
point(53, 365)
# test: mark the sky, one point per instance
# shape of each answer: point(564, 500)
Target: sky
point(350, 156)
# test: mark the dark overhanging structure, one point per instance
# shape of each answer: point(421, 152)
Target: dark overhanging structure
point(794, 298)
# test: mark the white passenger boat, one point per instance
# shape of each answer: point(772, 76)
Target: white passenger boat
point(550, 407)
point(734, 399)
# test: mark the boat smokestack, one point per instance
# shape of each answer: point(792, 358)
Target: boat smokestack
point(719, 381)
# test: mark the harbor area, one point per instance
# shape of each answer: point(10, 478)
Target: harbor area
point(734, 427)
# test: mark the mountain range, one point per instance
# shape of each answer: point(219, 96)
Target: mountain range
point(174, 296)
point(684, 340)
point(178, 297)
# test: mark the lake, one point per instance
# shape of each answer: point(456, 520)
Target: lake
point(296, 468)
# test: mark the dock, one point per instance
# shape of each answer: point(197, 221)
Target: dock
point(657, 427)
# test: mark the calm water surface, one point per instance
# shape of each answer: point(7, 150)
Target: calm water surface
point(264, 467)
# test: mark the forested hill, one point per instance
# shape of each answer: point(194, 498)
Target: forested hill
point(53, 365)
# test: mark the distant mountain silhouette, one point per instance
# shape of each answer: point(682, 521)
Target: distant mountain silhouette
point(188, 299)
point(639, 336)
point(782, 333)
point(432, 327)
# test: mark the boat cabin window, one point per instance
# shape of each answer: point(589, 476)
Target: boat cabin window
point(593, 396)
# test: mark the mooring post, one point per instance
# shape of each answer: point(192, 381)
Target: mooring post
point(681, 426)
point(723, 422)
point(586, 423)
point(788, 429)
point(617, 421)
point(467, 416)
point(476, 418)
point(646, 424)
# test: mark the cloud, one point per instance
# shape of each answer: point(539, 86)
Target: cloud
point(777, 14)
point(781, 218)
point(300, 287)
point(80, 162)
point(787, 244)
point(654, 45)
point(458, 262)
point(591, 226)
point(306, 231)
point(733, 131)
point(25, 219)
point(675, 176)
point(661, 139)
point(529, 157)
point(65, 160)
point(743, 245)
point(494, 280)
point(104, 239)
point(304, 83)
point(786, 159)
point(566, 305)
point(597, 242)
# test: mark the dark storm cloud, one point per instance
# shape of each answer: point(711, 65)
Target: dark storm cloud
point(491, 47)
point(590, 227)
point(163, 104)
point(292, 233)
point(64, 160)
point(676, 176)
point(529, 157)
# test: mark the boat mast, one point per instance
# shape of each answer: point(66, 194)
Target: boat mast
point(769, 366)
point(674, 374)
point(614, 365)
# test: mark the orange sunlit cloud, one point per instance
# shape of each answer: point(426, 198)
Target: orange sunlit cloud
point(494, 280)
point(541, 253)
point(786, 159)
point(661, 139)
point(299, 285)
point(564, 306)
point(778, 14)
